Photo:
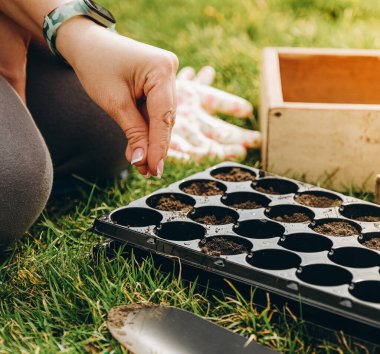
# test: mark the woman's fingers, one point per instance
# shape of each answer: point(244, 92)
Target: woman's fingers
point(143, 170)
point(161, 105)
point(136, 130)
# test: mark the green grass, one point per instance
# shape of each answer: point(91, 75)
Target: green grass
point(54, 297)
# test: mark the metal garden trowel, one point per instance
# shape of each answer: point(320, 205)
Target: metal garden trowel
point(167, 330)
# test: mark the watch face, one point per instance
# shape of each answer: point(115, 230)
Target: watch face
point(100, 10)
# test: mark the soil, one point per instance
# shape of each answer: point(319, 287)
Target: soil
point(269, 190)
point(336, 228)
point(293, 218)
point(118, 314)
point(214, 220)
point(373, 243)
point(318, 201)
point(203, 188)
point(235, 175)
point(171, 203)
point(367, 218)
point(222, 246)
point(247, 204)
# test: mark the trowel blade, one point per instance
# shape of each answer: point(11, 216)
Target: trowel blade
point(168, 330)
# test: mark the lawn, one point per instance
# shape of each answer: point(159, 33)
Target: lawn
point(54, 297)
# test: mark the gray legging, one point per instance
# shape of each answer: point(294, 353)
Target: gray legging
point(60, 130)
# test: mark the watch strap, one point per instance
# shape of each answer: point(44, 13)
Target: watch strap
point(58, 16)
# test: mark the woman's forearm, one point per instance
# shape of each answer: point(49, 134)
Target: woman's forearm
point(29, 14)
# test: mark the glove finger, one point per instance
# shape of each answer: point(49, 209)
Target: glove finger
point(227, 133)
point(178, 155)
point(190, 139)
point(215, 100)
point(206, 75)
point(190, 131)
point(187, 73)
point(180, 143)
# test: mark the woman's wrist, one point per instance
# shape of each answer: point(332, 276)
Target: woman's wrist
point(75, 36)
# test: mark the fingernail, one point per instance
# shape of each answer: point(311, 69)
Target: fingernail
point(148, 175)
point(160, 169)
point(137, 155)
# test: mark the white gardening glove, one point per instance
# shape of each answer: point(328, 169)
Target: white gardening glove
point(197, 133)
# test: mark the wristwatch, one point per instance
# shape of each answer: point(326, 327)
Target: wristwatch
point(58, 16)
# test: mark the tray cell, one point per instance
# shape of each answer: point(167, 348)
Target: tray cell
point(233, 174)
point(361, 212)
point(324, 275)
point(180, 231)
point(355, 257)
point(274, 259)
point(136, 217)
point(318, 199)
point(225, 245)
point(245, 200)
point(368, 290)
point(203, 187)
point(214, 215)
point(275, 186)
point(306, 242)
point(371, 240)
point(290, 214)
point(171, 202)
point(259, 229)
point(336, 227)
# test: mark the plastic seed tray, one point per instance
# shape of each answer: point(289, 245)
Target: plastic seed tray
point(290, 238)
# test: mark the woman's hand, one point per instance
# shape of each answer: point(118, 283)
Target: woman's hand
point(133, 82)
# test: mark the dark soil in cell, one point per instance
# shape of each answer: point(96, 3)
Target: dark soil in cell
point(171, 203)
point(275, 186)
point(361, 212)
point(136, 217)
point(367, 218)
point(236, 174)
point(203, 188)
point(247, 204)
point(222, 246)
point(293, 218)
point(373, 243)
point(318, 201)
point(268, 190)
point(214, 220)
point(336, 228)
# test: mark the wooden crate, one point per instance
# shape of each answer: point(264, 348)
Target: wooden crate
point(320, 115)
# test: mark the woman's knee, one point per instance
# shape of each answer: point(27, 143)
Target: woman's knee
point(26, 172)
point(25, 186)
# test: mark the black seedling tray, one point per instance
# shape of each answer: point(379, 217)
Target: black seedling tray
point(296, 260)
